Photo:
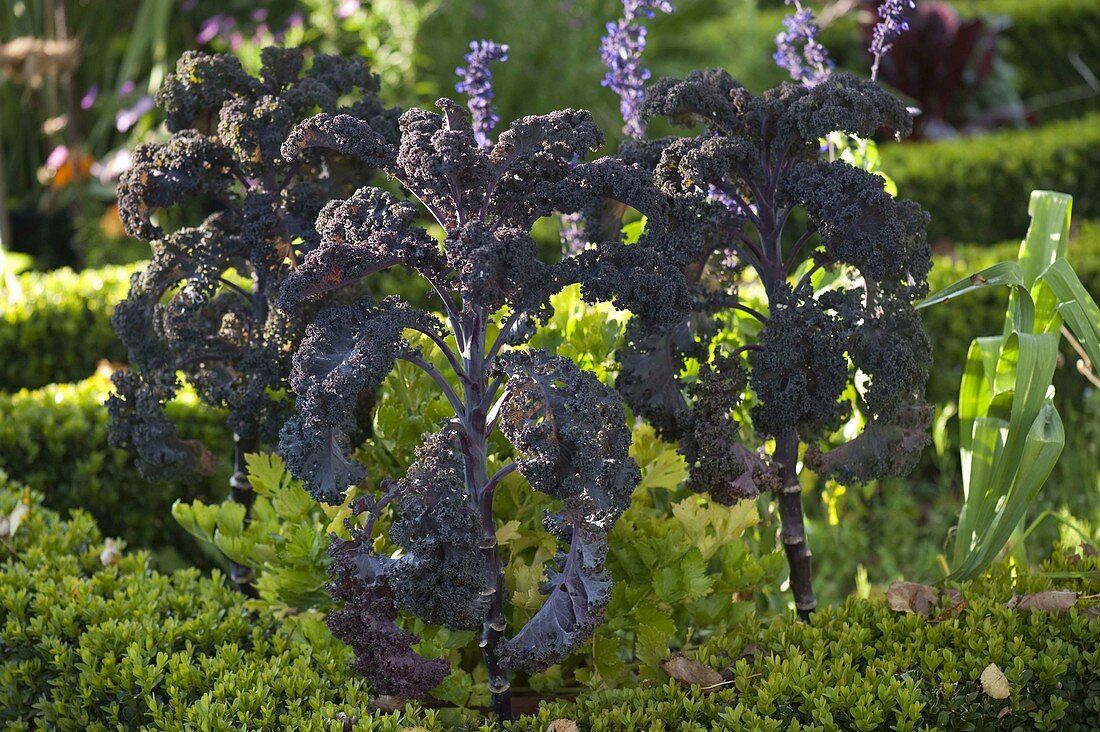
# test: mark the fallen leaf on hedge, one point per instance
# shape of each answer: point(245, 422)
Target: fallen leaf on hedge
point(110, 554)
point(690, 672)
point(994, 683)
point(1047, 601)
point(1088, 549)
point(387, 703)
point(562, 725)
point(911, 597)
point(953, 603)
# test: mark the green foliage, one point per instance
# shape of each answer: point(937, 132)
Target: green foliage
point(54, 439)
point(971, 186)
point(1011, 434)
point(863, 666)
point(56, 326)
point(91, 646)
point(286, 541)
point(122, 646)
point(683, 568)
point(1041, 40)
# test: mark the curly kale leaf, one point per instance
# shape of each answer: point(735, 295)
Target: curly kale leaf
point(440, 577)
point(136, 410)
point(863, 225)
point(571, 433)
point(189, 165)
point(366, 233)
point(719, 462)
point(574, 444)
point(577, 594)
point(366, 622)
point(206, 304)
point(342, 133)
point(800, 371)
point(346, 350)
point(883, 448)
point(649, 377)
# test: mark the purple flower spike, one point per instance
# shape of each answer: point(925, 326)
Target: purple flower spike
point(894, 22)
point(621, 50)
point(477, 85)
point(811, 64)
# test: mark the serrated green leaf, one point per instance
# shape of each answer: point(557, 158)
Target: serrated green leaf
point(684, 580)
point(266, 472)
point(293, 503)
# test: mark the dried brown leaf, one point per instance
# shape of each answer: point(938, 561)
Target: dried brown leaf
point(1047, 601)
point(911, 597)
point(387, 703)
point(690, 672)
point(562, 725)
point(994, 683)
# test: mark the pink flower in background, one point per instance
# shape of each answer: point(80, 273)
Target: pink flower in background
point(57, 157)
point(216, 26)
point(347, 8)
point(111, 167)
point(89, 97)
point(127, 118)
point(296, 20)
point(259, 15)
point(127, 88)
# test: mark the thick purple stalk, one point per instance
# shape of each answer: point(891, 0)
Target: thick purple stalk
point(240, 491)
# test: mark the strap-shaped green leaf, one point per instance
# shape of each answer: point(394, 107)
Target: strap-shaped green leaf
point(1076, 306)
point(1017, 413)
point(1048, 234)
point(1041, 449)
point(1003, 273)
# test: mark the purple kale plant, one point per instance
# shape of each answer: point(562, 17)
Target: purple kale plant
point(797, 49)
point(759, 188)
point(567, 430)
point(204, 307)
point(477, 85)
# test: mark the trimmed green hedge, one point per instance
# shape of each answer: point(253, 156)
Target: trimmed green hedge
point(863, 666)
point(977, 188)
point(61, 326)
point(54, 439)
point(93, 647)
point(1039, 42)
point(89, 646)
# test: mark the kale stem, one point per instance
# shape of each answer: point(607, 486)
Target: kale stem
point(240, 491)
point(431, 371)
point(447, 352)
point(480, 487)
point(751, 311)
point(793, 526)
point(802, 241)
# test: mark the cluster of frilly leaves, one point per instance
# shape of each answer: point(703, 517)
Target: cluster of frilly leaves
point(839, 295)
point(567, 429)
point(205, 305)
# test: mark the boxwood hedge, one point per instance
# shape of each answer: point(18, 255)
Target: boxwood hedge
point(54, 439)
point(59, 328)
point(977, 188)
point(90, 644)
